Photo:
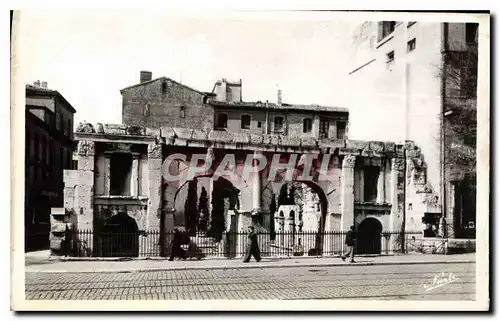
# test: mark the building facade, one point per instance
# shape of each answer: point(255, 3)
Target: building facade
point(164, 102)
point(48, 151)
point(400, 70)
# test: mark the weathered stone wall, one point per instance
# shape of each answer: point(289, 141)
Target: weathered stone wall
point(148, 105)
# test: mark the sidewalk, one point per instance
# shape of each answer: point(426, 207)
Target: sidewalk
point(41, 263)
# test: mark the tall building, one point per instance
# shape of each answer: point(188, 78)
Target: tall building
point(48, 151)
point(403, 72)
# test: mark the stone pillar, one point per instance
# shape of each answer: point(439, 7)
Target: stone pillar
point(256, 187)
point(397, 201)
point(347, 206)
point(107, 174)
point(155, 188)
point(134, 183)
point(381, 185)
point(83, 184)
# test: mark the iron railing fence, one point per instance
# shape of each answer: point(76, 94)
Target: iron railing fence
point(153, 243)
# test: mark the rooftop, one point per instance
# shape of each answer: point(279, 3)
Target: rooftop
point(162, 78)
point(35, 90)
point(284, 106)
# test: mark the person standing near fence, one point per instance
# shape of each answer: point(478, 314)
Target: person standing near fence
point(350, 239)
point(252, 246)
point(177, 250)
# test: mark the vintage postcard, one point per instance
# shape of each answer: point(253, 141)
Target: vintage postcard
point(243, 159)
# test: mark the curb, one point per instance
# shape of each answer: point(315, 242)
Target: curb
point(250, 266)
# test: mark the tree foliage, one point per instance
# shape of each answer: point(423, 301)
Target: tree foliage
point(203, 210)
point(191, 208)
point(460, 105)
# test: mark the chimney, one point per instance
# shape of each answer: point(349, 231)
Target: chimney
point(279, 97)
point(36, 83)
point(146, 76)
point(44, 84)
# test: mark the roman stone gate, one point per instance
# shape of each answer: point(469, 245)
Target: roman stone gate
point(212, 182)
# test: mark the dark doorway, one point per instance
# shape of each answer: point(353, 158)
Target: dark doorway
point(368, 236)
point(120, 236)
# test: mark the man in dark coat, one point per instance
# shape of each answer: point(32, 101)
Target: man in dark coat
point(252, 247)
point(177, 250)
point(350, 239)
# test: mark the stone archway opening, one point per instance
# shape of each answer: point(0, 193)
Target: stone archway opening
point(120, 236)
point(201, 205)
point(313, 205)
point(368, 236)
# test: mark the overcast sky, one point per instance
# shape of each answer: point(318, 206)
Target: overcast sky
point(90, 55)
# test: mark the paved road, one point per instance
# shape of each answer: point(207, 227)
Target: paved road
point(345, 282)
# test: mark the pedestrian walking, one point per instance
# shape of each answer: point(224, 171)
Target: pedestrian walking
point(177, 250)
point(252, 246)
point(350, 239)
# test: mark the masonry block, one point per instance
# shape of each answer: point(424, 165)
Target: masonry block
point(58, 227)
point(56, 245)
point(290, 141)
point(183, 133)
point(199, 134)
point(70, 178)
point(256, 139)
point(85, 177)
point(136, 130)
point(356, 144)
point(241, 138)
point(115, 129)
point(349, 151)
point(85, 163)
point(152, 132)
point(57, 211)
point(220, 136)
point(308, 141)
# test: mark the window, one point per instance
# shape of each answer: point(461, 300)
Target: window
point(229, 94)
point(341, 129)
point(245, 121)
point(43, 148)
point(58, 121)
point(471, 33)
point(410, 46)
point(221, 120)
point(324, 128)
point(120, 171)
point(371, 174)
point(36, 146)
point(385, 28)
point(182, 112)
point(147, 110)
point(390, 57)
point(164, 87)
point(70, 127)
point(278, 124)
point(259, 124)
point(307, 125)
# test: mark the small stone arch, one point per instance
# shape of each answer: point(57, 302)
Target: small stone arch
point(368, 236)
point(120, 236)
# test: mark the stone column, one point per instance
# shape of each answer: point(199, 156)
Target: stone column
point(256, 186)
point(155, 180)
point(397, 201)
point(381, 184)
point(134, 184)
point(347, 206)
point(107, 176)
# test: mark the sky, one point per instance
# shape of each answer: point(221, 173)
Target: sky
point(88, 56)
